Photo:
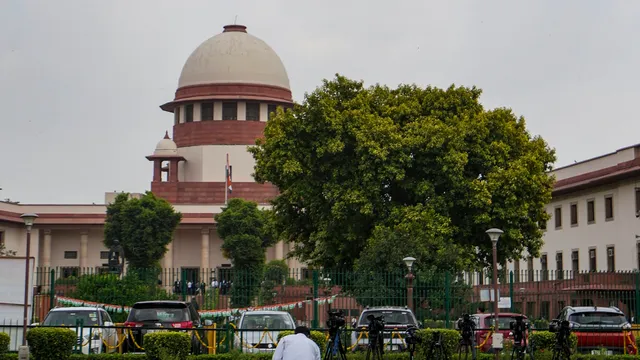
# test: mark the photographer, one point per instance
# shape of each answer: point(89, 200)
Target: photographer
point(519, 330)
point(467, 328)
point(297, 347)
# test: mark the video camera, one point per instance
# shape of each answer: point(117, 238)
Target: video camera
point(467, 326)
point(560, 327)
point(336, 319)
point(412, 337)
point(376, 324)
point(519, 326)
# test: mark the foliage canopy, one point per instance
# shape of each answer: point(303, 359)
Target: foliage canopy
point(246, 233)
point(144, 227)
point(411, 171)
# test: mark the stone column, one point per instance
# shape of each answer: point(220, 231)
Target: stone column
point(157, 170)
point(280, 250)
point(46, 249)
point(204, 249)
point(84, 241)
point(168, 258)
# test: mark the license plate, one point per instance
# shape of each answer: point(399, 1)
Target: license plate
point(601, 352)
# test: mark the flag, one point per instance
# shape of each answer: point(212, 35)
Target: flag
point(228, 172)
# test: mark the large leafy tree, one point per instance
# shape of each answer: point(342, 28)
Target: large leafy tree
point(144, 227)
point(246, 232)
point(426, 168)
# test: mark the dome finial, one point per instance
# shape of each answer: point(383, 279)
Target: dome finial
point(166, 134)
point(235, 28)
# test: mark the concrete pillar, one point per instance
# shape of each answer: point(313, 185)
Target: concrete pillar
point(279, 251)
point(46, 249)
point(204, 249)
point(168, 258)
point(84, 241)
point(157, 170)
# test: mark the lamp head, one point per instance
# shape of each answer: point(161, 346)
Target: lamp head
point(29, 219)
point(409, 262)
point(494, 234)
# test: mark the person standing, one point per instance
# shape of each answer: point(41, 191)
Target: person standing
point(297, 346)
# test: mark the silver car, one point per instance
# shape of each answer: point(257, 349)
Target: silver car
point(97, 334)
point(255, 330)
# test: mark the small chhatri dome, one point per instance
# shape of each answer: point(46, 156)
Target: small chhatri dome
point(234, 57)
point(166, 146)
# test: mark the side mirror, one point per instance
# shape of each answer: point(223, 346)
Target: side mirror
point(208, 323)
point(108, 324)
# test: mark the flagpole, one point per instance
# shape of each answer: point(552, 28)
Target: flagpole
point(226, 181)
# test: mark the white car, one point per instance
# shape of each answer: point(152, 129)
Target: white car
point(255, 330)
point(97, 327)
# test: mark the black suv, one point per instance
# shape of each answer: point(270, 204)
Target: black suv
point(151, 316)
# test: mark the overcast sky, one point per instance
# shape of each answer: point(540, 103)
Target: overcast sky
point(81, 81)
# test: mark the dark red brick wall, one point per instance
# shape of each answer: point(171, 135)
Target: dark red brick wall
point(218, 132)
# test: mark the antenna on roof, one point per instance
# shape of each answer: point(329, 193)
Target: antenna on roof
point(235, 21)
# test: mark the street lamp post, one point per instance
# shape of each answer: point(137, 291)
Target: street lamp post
point(409, 262)
point(28, 222)
point(494, 235)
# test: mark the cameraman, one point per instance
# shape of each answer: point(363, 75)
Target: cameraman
point(298, 346)
point(467, 327)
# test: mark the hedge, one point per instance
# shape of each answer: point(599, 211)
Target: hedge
point(167, 345)
point(318, 337)
point(361, 356)
point(5, 340)
point(545, 340)
point(47, 343)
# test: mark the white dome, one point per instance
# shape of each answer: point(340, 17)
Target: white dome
point(234, 57)
point(166, 146)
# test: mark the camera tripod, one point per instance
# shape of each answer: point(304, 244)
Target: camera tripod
point(376, 345)
point(562, 350)
point(335, 347)
point(520, 350)
point(467, 346)
point(436, 350)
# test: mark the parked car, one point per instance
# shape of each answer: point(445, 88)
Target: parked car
point(95, 330)
point(396, 319)
point(152, 316)
point(259, 330)
point(600, 328)
point(484, 322)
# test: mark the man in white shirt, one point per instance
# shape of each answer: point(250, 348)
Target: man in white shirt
point(297, 346)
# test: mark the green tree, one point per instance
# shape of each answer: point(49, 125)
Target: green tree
point(431, 167)
point(246, 234)
point(144, 227)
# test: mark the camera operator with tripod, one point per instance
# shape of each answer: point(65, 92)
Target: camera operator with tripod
point(562, 348)
point(467, 328)
point(520, 330)
point(375, 349)
point(335, 347)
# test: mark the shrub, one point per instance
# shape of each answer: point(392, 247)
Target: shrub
point(51, 343)
point(545, 340)
point(174, 345)
point(450, 338)
point(541, 324)
point(5, 339)
point(318, 337)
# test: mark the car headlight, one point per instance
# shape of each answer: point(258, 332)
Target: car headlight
point(626, 326)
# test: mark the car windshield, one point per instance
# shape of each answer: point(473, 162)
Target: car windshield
point(503, 322)
point(391, 317)
point(597, 318)
point(62, 318)
point(267, 321)
point(159, 312)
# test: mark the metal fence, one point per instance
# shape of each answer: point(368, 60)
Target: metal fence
point(438, 297)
